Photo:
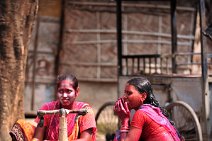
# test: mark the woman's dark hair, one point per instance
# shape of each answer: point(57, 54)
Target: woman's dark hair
point(69, 77)
point(143, 85)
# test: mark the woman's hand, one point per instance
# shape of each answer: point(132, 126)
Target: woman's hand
point(121, 109)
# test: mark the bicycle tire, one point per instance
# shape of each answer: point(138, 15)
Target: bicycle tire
point(106, 120)
point(185, 120)
point(110, 103)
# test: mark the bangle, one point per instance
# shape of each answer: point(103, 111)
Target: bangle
point(124, 128)
point(124, 131)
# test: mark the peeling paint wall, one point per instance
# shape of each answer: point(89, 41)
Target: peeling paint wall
point(43, 49)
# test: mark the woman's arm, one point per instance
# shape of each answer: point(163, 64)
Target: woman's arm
point(87, 126)
point(86, 135)
point(133, 135)
point(39, 133)
point(126, 133)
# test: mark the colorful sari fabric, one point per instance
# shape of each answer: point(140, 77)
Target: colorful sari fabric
point(22, 130)
point(75, 123)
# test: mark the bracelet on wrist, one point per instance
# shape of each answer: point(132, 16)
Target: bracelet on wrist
point(124, 131)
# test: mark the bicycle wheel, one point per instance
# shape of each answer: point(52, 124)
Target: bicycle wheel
point(106, 120)
point(185, 120)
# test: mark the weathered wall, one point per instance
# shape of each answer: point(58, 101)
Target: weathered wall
point(97, 93)
point(51, 8)
point(41, 68)
point(89, 47)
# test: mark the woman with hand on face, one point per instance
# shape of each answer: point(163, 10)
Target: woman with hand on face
point(79, 129)
point(149, 123)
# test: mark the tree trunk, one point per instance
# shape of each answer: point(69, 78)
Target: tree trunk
point(16, 22)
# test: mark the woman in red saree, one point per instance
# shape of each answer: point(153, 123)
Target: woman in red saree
point(150, 122)
point(80, 128)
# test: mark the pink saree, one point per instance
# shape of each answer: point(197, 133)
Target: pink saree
point(156, 115)
point(73, 121)
point(24, 131)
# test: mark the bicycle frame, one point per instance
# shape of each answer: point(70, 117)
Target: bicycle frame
point(63, 135)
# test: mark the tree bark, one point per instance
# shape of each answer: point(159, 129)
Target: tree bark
point(16, 22)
